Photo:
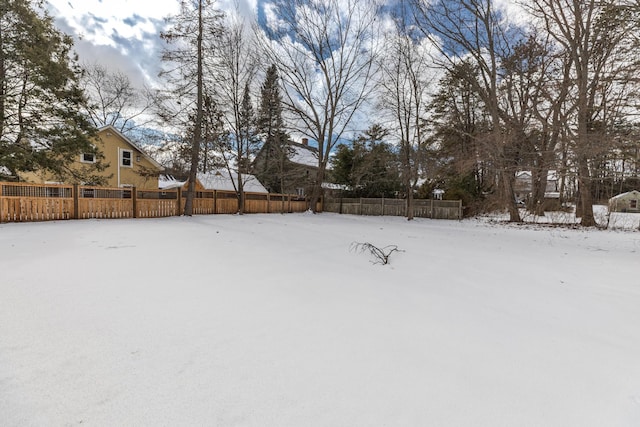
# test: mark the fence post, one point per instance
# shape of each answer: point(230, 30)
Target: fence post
point(76, 205)
point(360, 210)
point(215, 201)
point(134, 201)
point(460, 209)
point(1, 203)
point(382, 213)
point(431, 210)
point(179, 201)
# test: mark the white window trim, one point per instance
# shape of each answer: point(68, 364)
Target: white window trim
point(130, 165)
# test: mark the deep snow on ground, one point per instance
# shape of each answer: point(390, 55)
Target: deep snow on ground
point(271, 320)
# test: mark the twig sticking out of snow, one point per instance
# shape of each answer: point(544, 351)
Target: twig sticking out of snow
point(380, 255)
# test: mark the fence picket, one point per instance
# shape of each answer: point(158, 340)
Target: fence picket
point(21, 202)
point(436, 209)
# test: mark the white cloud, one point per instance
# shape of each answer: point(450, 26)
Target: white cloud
point(123, 34)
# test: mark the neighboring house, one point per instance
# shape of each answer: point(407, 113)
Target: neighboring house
point(625, 202)
point(127, 164)
point(523, 185)
point(437, 194)
point(216, 180)
point(299, 171)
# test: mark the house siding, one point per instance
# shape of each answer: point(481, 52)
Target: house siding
point(626, 202)
point(142, 174)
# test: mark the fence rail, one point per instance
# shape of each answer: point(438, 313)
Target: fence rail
point(436, 209)
point(20, 202)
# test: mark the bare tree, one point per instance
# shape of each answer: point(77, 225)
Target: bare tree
point(236, 67)
point(405, 82)
point(596, 37)
point(113, 100)
point(324, 51)
point(475, 31)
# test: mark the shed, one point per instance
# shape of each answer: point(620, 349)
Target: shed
point(625, 202)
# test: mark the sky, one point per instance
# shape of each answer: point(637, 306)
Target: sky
point(274, 320)
point(122, 34)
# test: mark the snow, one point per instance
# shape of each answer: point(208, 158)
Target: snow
point(221, 180)
point(304, 155)
point(216, 180)
point(169, 182)
point(271, 320)
point(604, 218)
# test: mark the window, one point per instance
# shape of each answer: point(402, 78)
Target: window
point(126, 157)
point(88, 158)
point(633, 204)
point(300, 192)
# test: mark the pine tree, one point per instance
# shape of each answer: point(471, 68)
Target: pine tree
point(369, 167)
point(41, 127)
point(270, 125)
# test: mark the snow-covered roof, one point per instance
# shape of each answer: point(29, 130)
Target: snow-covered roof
point(333, 186)
point(552, 175)
point(304, 155)
point(168, 182)
point(215, 180)
point(628, 193)
point(221, 180)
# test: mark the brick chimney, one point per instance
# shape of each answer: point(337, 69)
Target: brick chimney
point(305, 142)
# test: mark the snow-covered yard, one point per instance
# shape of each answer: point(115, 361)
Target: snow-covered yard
point(271, 320)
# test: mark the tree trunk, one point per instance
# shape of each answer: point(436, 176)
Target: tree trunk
point(409, 202)
point(586, 199)
point(512, 207)
point(197, 132)
point(316, 191)
point(241, 195)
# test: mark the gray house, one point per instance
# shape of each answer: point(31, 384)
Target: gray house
point(625, 202)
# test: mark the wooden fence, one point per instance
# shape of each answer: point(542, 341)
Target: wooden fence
point(21, 202)
point(436, 209)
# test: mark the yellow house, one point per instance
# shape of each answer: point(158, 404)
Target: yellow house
point(127, 164)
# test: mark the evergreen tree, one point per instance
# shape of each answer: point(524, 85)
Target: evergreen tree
point(369, 167)
point(460, 127)
point(215, 138)
point(214, 135)
point(41, 127)
point(270, 125)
